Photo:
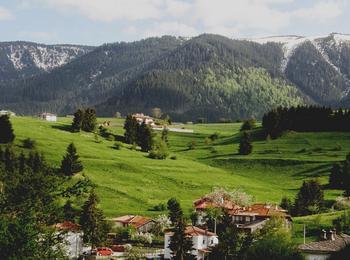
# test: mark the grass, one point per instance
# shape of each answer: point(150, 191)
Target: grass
point(131, 183)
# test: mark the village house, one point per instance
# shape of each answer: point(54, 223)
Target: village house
point(140, 223)
point(48, 117)
point(72, 238)
point(249, 218)
point(7, 112)
point(141, 118)
point(322, 250)
point(202, 240)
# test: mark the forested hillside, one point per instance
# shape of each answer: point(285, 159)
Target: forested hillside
point(208, 76)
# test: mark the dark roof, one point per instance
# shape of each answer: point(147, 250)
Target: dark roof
point(327, 246)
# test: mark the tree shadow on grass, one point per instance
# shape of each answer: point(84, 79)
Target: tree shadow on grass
point(318, 171)
point(66, 128)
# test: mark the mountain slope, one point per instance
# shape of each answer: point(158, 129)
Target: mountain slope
point(207, 76)
point(25, 59)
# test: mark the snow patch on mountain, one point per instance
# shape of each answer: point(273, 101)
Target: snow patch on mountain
point(44, 57)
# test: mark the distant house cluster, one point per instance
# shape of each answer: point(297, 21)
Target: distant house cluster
point(48, 117)
point(141, 118)
point(248, 218)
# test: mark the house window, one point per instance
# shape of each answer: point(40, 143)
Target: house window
point(203, 241)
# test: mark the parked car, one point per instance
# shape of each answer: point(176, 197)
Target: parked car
point(104, 251)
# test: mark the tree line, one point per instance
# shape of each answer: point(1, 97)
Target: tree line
point(305, 119)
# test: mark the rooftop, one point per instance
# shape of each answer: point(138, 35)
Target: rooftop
point(196, 231)
point(136, 221)
point(327, 246)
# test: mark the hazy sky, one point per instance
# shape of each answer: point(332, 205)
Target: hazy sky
point(94, 22)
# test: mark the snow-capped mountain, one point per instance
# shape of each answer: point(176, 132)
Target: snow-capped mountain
point(24, 59)
point(291, 42)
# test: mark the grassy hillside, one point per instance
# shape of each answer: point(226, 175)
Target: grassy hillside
point(131, 183)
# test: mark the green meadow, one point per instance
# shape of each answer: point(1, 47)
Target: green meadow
point(128, 182)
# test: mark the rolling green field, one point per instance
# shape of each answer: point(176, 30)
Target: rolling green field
point(128, 182)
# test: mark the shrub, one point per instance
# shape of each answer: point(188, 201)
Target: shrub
point(248, 125)
point(342, 203)
point(159, 151)
point(29, 143)
point(159, 207)
point(212, 149)
point(173, 157)
point(144, 238)
point(191, 145)
point(118, 145)
point(214, 136)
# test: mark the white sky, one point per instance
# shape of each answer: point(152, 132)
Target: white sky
point(98, 21)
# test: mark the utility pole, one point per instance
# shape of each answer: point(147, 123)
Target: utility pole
point(304, 234)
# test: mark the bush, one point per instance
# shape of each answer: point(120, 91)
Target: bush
point(159, 151)
point(341, 203)
point(212, 149)
point(29, 143)
point(160, 207)
point(144, 238)
point(173, 157)
point(248, 125)
point(191, 145)
point(118, 145)
point(214, 136)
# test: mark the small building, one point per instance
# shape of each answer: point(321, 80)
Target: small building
point(48, 117)
point(322, 250)
point(72, 238)
point(7, 112)
point(140, 223)
point(202, 240)
point(141, 118)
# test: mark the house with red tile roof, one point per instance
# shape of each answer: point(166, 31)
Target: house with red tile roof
point(202, 240)
point(72, 238)
point(140, 223)
point(248, 218)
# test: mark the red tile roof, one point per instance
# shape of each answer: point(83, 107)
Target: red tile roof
point(196, 231)
point(135, 221)
point(68, 226)
point(261, 210)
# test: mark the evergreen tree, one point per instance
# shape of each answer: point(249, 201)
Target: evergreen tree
point(69, 213)
point(130, 127)
point(180, 244)
point(164, 136)
point(145, 137)
point(92, 221)
point(336, 177)
point(89, 121)
point(309, 199)
point(159, 151)
point(78, 120)
point(233, 244)
point(70, 163)
point(286, 204)
point(6, 131)
point(245, 145)
point(175, 211)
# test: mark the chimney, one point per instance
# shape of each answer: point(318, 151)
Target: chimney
point(324, 234)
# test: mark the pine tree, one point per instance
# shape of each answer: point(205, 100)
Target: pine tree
point(70, 163)
point(130, 127)
point(175, 211)
point(180, 244)
point(89, 120)
point(78, 120)
point(164, 136)
point(92, 221)
point(309, 199)
point(336, 176)
point(245, 145)
point(6, 131)
point(145, 137)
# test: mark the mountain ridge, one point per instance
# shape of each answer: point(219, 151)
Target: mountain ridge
point(209, 76)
